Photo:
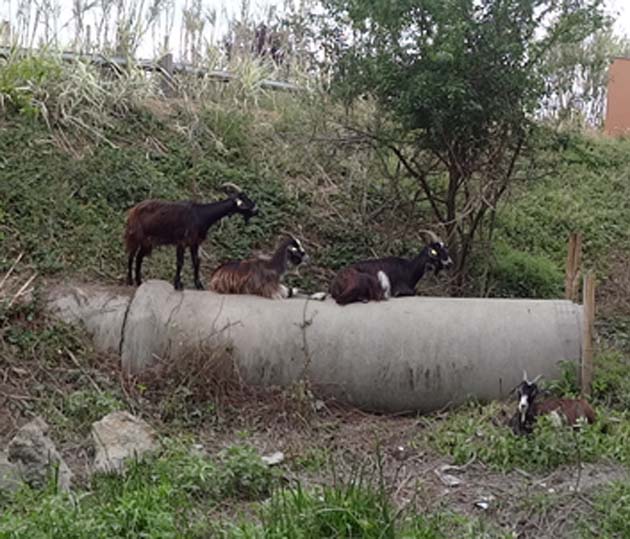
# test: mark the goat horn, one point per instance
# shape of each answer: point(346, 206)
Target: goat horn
point(232, 186)
point(525, 376)
point(287, 233)
point(432, 235)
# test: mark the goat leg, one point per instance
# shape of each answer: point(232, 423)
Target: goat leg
point(130, 268)
point(139, 258)
point(177, 282)
point(194, 255)
point(404, 291)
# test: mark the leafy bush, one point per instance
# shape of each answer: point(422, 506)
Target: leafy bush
point(517, 274)
point(21, 80)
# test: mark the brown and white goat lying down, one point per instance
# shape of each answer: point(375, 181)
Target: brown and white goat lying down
point(262, 276)
point(566, 411)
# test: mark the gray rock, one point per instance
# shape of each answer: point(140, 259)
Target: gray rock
point(36, 456)
point(119, 436)
point(9, 474)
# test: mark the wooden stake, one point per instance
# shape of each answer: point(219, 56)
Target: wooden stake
point(572, 274)
point(587, 333)
point(167, 82)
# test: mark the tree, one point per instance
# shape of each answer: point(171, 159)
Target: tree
point(457, 83)
point(578, 78)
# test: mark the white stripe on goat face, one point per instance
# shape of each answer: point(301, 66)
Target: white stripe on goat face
point(523, 404)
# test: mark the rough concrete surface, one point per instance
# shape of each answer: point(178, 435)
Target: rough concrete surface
point(417, 353)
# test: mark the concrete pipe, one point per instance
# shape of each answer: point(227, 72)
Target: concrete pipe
point(420, 353)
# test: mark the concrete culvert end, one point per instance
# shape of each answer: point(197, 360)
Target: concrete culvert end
point(406, 354)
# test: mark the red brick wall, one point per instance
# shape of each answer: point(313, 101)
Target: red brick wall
point(618, 103)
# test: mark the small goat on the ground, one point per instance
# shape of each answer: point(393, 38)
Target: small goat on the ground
point(152, 223)
point(380, 278)
point(565, 411)
point(261, 276)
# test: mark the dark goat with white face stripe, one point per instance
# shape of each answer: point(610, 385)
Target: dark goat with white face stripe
point(563, 411)
point(392, 276)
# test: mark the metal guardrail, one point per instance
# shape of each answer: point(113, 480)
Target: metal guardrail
point(164, 66)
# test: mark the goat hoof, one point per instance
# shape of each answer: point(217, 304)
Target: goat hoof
point(178, 285)
point(199, 286)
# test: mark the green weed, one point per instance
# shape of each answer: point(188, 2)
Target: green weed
point(611, 518)
point(159, 497)
point(358, 506)
point(518, 274)
point(243, 474)
point(473, 433)
point(85, 406)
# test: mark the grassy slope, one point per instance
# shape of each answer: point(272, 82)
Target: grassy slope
point(67, 214)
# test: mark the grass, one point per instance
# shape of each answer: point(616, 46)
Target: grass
point(175, 493)
point(164, 496)
point(586, 177)
point(358, 506)
point(611, 517)
point(471, 434)
point(479, 432)
point(287, 151)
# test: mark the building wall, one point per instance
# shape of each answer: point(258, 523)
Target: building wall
point(618, 102)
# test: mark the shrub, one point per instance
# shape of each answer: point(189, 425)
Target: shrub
point(516, 274)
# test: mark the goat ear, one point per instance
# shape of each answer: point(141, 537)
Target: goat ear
point(537, 378)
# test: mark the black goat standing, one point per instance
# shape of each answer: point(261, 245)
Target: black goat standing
point(152, 223)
